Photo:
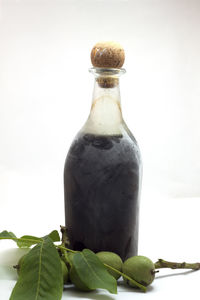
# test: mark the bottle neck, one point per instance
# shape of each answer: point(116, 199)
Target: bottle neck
point(105, 116)
point(106, 92)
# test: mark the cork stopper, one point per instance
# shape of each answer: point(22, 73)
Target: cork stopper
point(107, 55)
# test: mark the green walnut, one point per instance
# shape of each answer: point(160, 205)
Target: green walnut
point(64, 272)
point(113, 260)
point(139, 268)
point(70, 256)
point(18, 266)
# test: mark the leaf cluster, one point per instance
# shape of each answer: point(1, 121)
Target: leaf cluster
point(41, 277)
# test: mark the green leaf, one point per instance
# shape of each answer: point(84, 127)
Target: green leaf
point(54, 235)
point(7, 235)
point(24, 242)
point(27, 241)
point(92, 272)
point(40, 275)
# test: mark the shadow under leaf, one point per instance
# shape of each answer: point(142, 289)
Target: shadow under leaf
point(93, 295)
point(175, 274)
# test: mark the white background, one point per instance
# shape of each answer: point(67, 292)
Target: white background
point(45, 98)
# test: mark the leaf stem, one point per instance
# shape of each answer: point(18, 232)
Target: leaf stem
point(65, 239)
point(140, 286)
point(161, 263)
point(22, 239)
point(66, 249)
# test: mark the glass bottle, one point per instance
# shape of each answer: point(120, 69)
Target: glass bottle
point(102, 175)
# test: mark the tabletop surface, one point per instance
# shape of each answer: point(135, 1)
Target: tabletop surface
point(169, 284)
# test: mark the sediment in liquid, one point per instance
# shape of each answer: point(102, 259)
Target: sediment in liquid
point(101, 180)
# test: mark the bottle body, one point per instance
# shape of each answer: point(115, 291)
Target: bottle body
point(102, 179)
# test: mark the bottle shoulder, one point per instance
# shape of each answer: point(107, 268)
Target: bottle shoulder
point(121, 142)
point(127, 133)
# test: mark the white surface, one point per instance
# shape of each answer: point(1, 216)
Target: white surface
point(170, 231)
point(175, 288)
point(170, 243)
point(45, 97)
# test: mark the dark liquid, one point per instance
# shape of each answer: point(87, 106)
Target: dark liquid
point(101, 180)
